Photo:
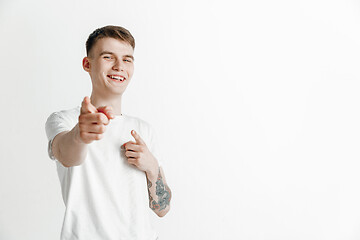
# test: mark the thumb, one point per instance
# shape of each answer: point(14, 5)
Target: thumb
point(107, 110)
point(87, 107)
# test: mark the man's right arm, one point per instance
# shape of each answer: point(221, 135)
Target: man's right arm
point(68, 148)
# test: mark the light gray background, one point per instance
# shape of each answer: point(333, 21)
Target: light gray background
point(256, 104)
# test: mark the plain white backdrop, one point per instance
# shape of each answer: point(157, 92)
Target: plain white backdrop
point(256, 104)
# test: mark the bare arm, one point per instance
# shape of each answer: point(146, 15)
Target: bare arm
point(139, 155)
point(70, 147)
point(159, 192)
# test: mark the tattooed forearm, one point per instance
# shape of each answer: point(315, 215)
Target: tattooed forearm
point(149, 186)
point(162, 191)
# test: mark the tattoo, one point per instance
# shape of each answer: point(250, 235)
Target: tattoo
point(149, 183)
point(162, 191)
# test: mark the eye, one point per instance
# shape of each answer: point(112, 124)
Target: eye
point(107, 57)
point(127, 60)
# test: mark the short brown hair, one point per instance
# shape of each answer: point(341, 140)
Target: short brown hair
point(109, 31)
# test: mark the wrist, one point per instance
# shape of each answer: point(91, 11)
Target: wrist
point(76, 135)
point(154, 171)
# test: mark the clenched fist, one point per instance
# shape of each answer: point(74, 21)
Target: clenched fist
point(92, 121)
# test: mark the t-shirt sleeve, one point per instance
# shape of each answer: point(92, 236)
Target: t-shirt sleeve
point(155, 146)
point(55, 124)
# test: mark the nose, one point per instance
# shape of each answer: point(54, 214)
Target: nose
point(118, 65)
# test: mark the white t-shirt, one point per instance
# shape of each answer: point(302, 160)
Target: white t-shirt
point(106, 198)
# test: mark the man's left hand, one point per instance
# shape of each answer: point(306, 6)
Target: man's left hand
point(139, 155)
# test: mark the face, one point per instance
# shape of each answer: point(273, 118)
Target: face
point(110, 65)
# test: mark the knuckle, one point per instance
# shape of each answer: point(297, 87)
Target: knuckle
point(102, 128)
point(82, 135)
point(81, 118)
point(104, 118)
point(82, 124)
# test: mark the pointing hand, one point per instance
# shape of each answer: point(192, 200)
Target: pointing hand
point(139, 155)
point(92, 121)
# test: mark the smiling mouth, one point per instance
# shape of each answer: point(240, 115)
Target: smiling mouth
point(116, 78)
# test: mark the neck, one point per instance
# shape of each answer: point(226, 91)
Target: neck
point(111, 101)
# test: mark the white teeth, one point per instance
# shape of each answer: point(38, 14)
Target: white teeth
point(117, 78)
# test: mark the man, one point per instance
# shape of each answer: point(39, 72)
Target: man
point(108, 163)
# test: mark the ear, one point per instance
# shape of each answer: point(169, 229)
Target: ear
point(86, 64)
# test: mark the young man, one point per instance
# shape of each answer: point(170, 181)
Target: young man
point(108, 163)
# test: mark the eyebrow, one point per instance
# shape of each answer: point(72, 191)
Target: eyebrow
point(107, 52)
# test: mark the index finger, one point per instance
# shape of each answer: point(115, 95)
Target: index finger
point(87, 107)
